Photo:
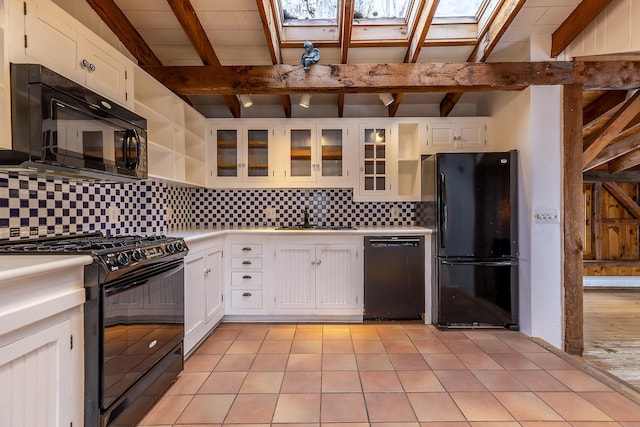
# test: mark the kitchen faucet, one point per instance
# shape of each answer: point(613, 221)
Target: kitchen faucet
point(306, 224)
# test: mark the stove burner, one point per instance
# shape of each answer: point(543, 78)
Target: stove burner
point(81, 243)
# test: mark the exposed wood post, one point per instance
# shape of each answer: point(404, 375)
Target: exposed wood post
point(573, 220)
point(596, 220)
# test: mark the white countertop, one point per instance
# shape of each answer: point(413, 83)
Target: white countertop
point(23, 266)
point(194, 234)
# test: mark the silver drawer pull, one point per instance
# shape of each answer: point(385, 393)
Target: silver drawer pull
point(246, 276)
point(246, 249)
point(246, 262)
point(246, 294)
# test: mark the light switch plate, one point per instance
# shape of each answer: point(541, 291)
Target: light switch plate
point(547, 216)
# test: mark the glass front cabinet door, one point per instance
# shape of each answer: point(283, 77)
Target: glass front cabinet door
point(374, 167)
point(241, 154)
point(316, 154)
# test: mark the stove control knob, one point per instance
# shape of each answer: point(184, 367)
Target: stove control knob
point(123, 258)
point(179, 246)
point(136, 255)
point(170, 248)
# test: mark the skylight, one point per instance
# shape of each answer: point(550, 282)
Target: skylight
point(381, 9)
point(310, 9)
point(459, 8)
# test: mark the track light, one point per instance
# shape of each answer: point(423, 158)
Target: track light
point(386, 98)
point(305, 100)
point(246, 100)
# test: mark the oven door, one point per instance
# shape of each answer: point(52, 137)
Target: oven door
point(143, 320)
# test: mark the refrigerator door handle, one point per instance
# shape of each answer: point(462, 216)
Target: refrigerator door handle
point(443, 211)
point(482, 263)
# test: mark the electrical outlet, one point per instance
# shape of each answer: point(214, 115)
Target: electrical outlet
point(112, 212)
point(270, 213)
point(169, 213)
point(395, 212)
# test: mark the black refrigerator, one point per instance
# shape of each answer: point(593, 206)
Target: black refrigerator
point(474, 207)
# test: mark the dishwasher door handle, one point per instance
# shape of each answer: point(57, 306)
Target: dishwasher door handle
point(482, 263)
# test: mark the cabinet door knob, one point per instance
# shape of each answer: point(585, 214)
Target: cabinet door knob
point(207, 270)
point(246, 294)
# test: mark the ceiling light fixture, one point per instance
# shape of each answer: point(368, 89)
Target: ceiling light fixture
point(305, 100)
point(386, 98)
point(246, 100)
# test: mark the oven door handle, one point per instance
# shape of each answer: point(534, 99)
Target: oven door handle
point(130, 284)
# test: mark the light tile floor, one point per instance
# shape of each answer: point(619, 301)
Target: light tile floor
point(384, 374)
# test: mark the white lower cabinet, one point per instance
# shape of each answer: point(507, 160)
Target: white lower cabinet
point(39, 375)
point(317, 279)
point(203, 290)
point(42, 346)
point(246, 275)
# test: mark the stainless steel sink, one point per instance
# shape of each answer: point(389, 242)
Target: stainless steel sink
point(315, 227)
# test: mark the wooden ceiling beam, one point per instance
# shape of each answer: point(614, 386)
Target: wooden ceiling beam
point(270, 28)
point(427, 11)
point(346, 20)
point(612, 128)
point(625, 162)
point(376, 78)
point(186, 15)
point(603, 104)
point(615, 149)
point(485, 45)
point(576, 22)
point(117, 22)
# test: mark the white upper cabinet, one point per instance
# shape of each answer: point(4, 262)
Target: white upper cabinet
point(45, 34)
point(457, 134)
point(240, 155)
point(316, 154)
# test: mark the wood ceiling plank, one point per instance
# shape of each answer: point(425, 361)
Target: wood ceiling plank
point(612, 128)
point(368, 78)
point(627, 202)
point(603, 104)
point(117, 22)
point(486, 44)
point(575, 23)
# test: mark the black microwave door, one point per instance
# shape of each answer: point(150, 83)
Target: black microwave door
point(85, 136)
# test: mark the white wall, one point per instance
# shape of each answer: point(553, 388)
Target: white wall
point(531, 121)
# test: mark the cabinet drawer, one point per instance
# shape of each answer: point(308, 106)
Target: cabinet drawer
point(241, 279)
point(246, 299)
point(246, 263)
point(248, 250)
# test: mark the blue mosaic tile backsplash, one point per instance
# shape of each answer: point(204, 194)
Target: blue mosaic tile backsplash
point(47, 206)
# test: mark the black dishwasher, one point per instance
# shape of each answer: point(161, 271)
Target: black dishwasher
point(394, 278)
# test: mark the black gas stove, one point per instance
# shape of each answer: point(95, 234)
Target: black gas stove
point(114, 253)
point(133, 318)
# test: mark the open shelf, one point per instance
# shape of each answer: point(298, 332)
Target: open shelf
point(160, 161)
point(153, 95)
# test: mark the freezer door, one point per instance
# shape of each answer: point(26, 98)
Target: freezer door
point(477, 293)
point(476, 208)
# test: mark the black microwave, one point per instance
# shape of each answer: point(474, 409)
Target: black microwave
point(60, 127)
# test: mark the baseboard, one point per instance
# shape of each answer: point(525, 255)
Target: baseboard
point(611, 281)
